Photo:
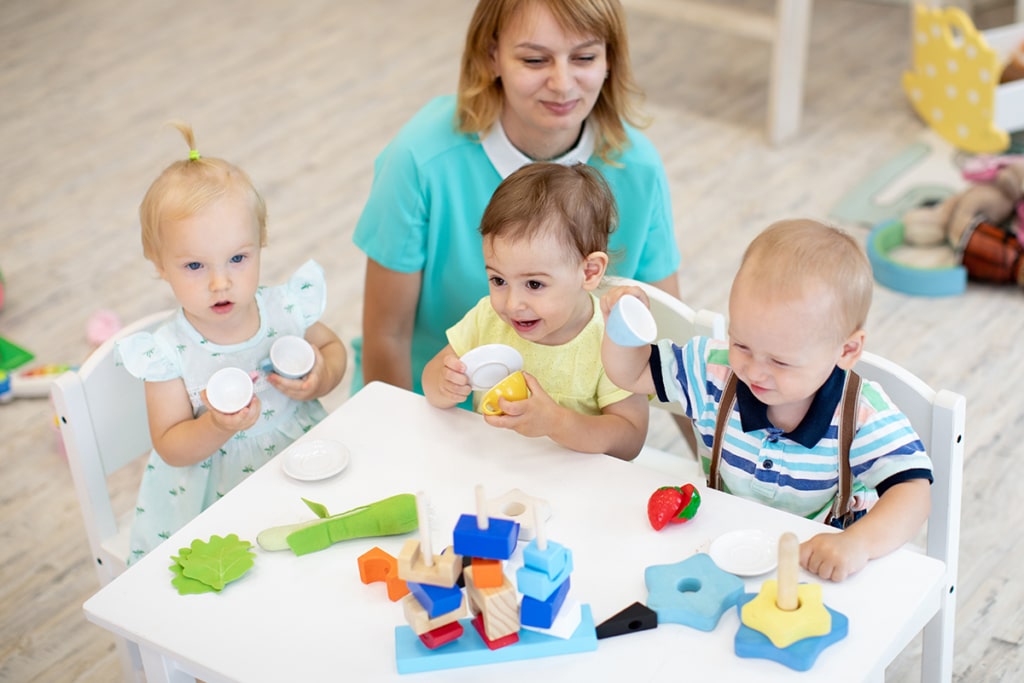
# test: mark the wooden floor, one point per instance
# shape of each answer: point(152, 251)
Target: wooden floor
point(304, 95)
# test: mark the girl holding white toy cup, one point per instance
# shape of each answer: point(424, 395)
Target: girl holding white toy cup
point(203, 228)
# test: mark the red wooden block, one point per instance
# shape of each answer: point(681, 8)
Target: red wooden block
point(497, 643)
point(442, 635)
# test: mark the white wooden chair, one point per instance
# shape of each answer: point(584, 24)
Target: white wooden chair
point(939, 418)
point(101, 409)
point(786, 29)
point(680, 323)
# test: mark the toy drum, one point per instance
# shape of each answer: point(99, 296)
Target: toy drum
point(991, 254)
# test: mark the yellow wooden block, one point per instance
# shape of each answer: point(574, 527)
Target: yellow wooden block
point(444, 572)
point(785, 627)
point(499, 606)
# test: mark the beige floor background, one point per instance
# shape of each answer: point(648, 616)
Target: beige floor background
point(304, 95)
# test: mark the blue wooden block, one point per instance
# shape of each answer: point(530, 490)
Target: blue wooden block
point(551, 560)
point(694, 592)
point(496, 542)
point(437, 600)
point(412, 656)
point(542, 613)
point(801, 655)
point(538, 585)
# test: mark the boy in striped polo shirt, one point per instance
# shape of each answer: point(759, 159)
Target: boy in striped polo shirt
point(796, 327)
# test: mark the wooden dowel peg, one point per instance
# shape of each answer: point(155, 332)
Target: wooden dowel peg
point(789, 565)
point(426, 549)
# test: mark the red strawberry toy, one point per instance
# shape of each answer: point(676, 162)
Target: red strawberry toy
point(675, 504)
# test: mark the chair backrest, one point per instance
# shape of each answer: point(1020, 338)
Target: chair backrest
point(939, 419)
point(101, 409)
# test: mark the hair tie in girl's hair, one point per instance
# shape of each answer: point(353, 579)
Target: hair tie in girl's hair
point(193, 154)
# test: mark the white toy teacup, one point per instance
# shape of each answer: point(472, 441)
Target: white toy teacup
point(630, 323)
point(229, 390)
point(292, 357)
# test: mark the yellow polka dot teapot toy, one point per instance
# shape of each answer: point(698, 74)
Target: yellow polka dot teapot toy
point(954, 79)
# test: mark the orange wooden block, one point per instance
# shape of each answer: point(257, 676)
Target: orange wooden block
point(378, 565)
point(487, 573)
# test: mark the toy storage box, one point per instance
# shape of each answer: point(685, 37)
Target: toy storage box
point(1009, 102)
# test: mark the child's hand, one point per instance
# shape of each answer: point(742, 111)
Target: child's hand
point(454, 385)
point(834, 556)
point(612, 296)
point(304, 388)
point(532, 416)
point(234, 422)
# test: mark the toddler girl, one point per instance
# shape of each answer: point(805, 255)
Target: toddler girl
point(203, 227)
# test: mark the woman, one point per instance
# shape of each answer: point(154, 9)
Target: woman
point(540, 80)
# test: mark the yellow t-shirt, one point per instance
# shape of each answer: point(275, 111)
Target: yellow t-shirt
point(571, 373)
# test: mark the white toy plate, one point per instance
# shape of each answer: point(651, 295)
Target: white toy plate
point(315, 460)
point(489, 364)
point(747, 552)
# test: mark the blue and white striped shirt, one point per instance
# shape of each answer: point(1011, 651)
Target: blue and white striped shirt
point(795, 471)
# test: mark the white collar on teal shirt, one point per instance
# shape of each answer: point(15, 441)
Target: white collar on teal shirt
point(506, 159)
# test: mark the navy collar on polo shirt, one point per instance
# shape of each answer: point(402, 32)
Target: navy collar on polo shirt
point(814, 426)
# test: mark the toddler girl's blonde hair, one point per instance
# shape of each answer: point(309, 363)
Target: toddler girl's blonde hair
point(188, 186)
point(791, 257)
point(480, 95)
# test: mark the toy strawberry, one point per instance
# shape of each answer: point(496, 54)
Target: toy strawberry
point(675, 504)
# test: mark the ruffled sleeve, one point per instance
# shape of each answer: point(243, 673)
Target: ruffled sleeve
point(147, 358)
point(306, 293)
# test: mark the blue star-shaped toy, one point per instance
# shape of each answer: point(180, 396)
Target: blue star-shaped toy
point(694, 592)
point(799, 656)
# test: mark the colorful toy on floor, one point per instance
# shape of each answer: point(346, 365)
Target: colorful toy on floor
point(672, 504)
point(32, 383)
point(502, 629)
point(787, 622)
point(387, 517)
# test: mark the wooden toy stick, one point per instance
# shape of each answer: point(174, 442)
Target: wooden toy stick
point(481, 509)
point(538, 523)
point(426, 551)
point(789, 563)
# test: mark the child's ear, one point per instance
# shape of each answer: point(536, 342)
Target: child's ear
point(852, 349)
point(594, 267)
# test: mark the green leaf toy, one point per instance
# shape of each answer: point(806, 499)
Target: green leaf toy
point(207, 566)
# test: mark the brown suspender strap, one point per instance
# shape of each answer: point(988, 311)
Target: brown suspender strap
point(847, 428)
point(721, 421)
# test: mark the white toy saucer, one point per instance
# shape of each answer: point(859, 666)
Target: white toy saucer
point(489, 364)
point(315, 460)
point(747, 552)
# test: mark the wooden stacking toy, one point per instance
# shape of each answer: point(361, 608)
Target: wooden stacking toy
point(543, 624)
point(787, 621)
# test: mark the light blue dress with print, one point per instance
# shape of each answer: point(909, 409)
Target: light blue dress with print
point(171, 496)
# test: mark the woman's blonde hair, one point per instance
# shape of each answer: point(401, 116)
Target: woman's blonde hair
point(790, 256)
point(188, 186)
point(480, 95)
